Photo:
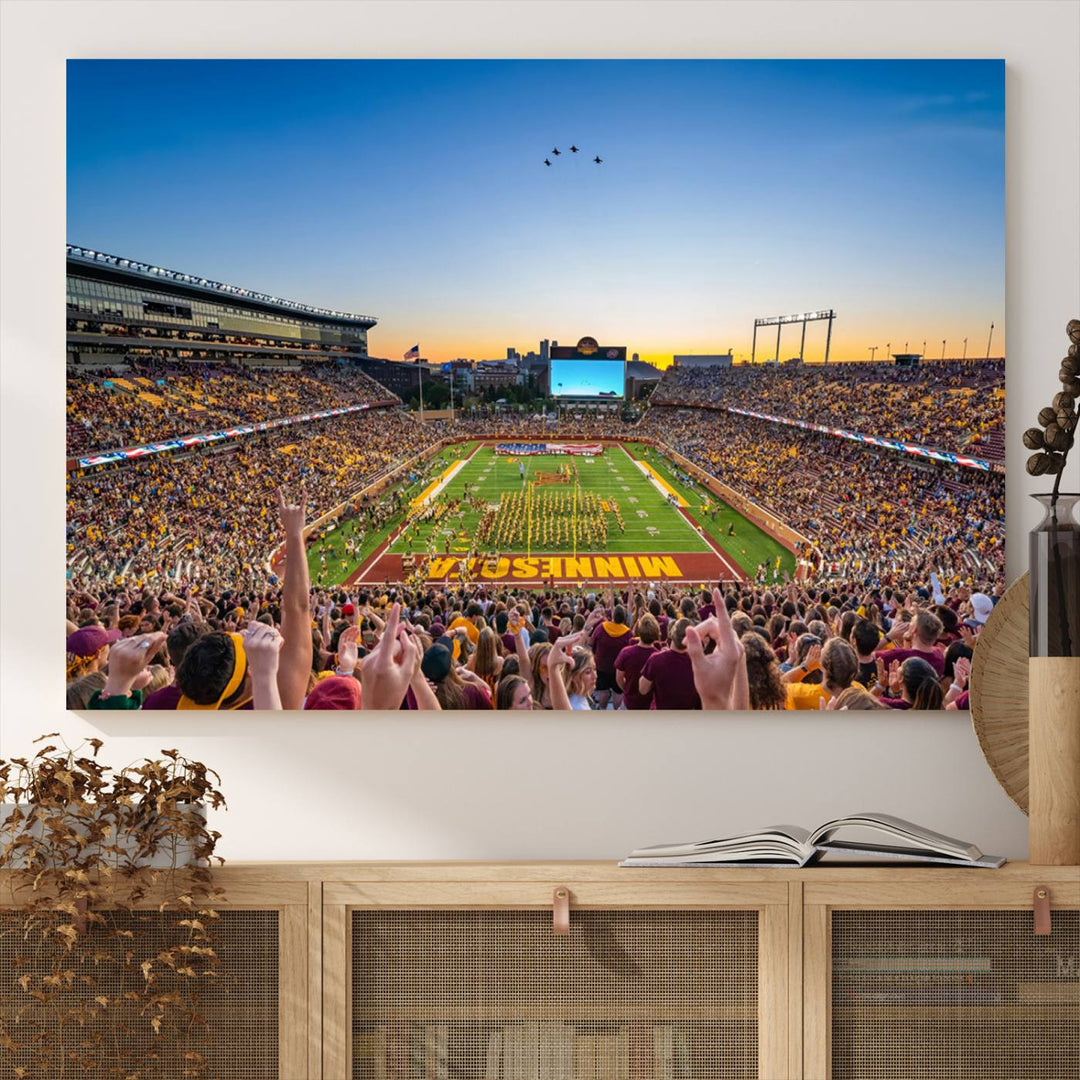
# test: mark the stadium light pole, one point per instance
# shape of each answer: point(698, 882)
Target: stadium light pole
point(888, 346)
point(873, 349)
point(942, 348)
point(924, 347)
point(988, 340)
point(420, 372)
point(964, 357)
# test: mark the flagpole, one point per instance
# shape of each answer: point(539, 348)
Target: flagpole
point(420, 369)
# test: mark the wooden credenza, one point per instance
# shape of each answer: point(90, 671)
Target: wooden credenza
point(390, 971)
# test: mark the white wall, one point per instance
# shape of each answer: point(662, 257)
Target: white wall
point(318, 786)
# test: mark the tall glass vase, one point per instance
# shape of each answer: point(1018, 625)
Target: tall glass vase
point(1054, 685)
point(1055, 578)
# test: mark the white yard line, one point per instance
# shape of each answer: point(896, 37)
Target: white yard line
point(447, 477)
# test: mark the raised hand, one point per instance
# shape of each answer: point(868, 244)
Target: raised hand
point(962, 671)
point(262, 646)
point(348, 650)
point(560, 651)
point(128, 659)
point(720, 675)
point(293, 515)
point(387, 671)
point(896, 682)
point(882, 674)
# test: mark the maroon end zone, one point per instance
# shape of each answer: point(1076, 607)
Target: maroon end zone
point(583, 569)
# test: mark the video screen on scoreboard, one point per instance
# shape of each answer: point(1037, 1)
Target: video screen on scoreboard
point(588, 378)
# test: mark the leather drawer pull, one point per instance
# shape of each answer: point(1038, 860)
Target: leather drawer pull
point(1041, 904)
point(560, 911)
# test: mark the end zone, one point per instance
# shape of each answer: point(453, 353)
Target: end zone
point(585, 569)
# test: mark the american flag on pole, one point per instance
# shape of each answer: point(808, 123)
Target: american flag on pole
point(412, 354)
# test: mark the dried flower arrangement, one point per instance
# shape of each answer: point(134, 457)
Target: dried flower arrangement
point(1053, 440)
point(107, 930)
point(1053, 571)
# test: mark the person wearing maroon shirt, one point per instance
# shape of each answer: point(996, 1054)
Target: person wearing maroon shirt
point(657, 612)
point(926, 630)
point(707, 608)
point(669, 675)
point(608, 640)
point(632, 659)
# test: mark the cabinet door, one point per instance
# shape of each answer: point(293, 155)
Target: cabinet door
point(247, 1023)
point(490, 992)
point(949, 991)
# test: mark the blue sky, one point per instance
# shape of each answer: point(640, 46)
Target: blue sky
point(415, 191)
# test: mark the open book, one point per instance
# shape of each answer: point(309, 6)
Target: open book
point(859, 838)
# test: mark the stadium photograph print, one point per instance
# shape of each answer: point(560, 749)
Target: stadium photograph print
point(685, 390)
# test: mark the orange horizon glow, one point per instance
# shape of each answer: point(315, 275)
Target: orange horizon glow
point(841, 349)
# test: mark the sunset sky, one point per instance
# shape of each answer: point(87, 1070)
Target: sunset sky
point(416, 191)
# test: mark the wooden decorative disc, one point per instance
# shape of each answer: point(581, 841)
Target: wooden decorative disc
point(999, 691)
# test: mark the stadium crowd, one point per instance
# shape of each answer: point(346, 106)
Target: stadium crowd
point(173, 602)
point(205, 515)
point(949, 405)
point(889, 515)
point(107, 410)
point(284, 645)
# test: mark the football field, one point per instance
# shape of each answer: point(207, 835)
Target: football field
point(624, 513)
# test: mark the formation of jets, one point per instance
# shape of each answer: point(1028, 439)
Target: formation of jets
point(573, 150)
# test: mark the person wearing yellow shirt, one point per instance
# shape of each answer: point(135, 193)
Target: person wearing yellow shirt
point(838, 664)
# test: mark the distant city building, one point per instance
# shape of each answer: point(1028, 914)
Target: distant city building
point(496, 373)
point(544, 346)
point(703, 360)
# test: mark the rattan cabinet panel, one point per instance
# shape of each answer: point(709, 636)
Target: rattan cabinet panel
point(234, 1025)
point(487, 995)
point(954, 994)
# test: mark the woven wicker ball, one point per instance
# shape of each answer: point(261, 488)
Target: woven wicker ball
point(999, 692)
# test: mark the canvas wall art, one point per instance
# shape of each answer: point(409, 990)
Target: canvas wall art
point(595, 385)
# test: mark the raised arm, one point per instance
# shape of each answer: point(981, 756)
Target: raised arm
point(717, 677)
point(294, 665)
point(559, 659)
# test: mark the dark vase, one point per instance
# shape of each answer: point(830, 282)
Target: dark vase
point(1055, 579)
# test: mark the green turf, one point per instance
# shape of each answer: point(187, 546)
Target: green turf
point(749, 547)
point(651, 523)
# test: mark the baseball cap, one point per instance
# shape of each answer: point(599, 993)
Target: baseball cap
point(348, 609)
point(436, 663)
point(334, 692)
point(90, 640)
point(981, 606)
